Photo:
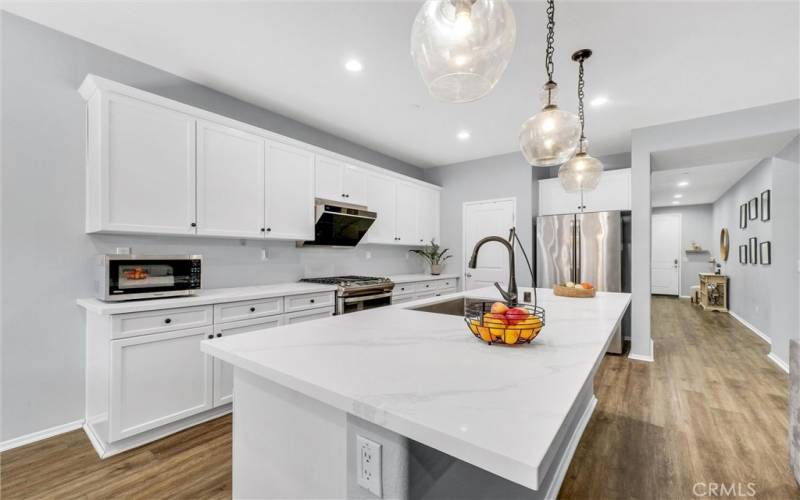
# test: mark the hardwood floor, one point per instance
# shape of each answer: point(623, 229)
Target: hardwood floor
point(712, 409)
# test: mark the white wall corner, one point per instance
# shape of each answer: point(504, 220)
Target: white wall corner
point(39, 435)
point(649, 357)
point(778, 361)
point(750, 327)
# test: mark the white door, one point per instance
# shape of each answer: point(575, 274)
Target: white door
point(148, 168)
point(230, 182)
point(481, 219)
point(381, 200)
point(289, 193)
point(157, 379)
point(223, 372)
point(428, 215)
point(613, 192)
point(354, 185)
point(407, 231)
point(329, 174)
point(665, 254)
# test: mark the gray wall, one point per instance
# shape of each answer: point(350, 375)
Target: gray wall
point(765, 296)
point(696, 226)
point(500, 176)
point(46, 257)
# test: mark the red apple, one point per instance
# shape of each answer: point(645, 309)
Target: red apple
point(499, 308)
point(516, 315)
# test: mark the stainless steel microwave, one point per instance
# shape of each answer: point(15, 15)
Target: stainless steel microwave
point(130, 277)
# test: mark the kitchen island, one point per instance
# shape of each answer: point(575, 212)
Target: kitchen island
point(455, 417)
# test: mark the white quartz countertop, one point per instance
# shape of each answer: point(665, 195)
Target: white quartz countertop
point(426, 377)
point(204, 297)
point(409, 278)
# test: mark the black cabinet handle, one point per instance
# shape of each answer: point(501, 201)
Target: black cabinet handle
point(193, 224)
point(167, 321)
point(312, 301)
point(252, 309)
point(344, 195)
point(269, 229)
point(211, 336)
point(219, 335)
point(263, 229)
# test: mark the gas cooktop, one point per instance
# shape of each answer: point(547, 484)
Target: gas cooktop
point(345, 281)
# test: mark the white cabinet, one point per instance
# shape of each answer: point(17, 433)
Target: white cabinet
point(381, 200)
point(428, 215)
point(613, 193)
point(230, 182)
point(157, 379)
point(339, 181)
point(223, 372)
point(417, 290)
point(289, 193)
point(407, 214)
point(140, 167)
point(309, 315)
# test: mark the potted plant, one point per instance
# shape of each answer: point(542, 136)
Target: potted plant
point(434, 255)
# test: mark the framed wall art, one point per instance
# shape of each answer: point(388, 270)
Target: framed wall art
point(752, 209)
point(752, 250)
point(742, 254)
point(765, 205)
point(743, 216)
point(765, 253)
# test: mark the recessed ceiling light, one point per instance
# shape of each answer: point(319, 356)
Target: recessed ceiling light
point(676, 203)
point(353, 65)
point(463, 135)
point(683, 183)
point(599, 101)
point(678, 196)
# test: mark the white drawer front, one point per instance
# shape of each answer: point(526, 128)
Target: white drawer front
point(399, 299)
point(309, 301)
point(147, 322)
point(405, 288)
point(427, 286)
point(445, 291)
point(237, 311)
point(443, 284)
point(308, 315)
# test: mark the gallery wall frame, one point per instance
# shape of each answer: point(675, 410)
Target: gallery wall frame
point(766, 205)
point(743, 216)
point(752, 209)
point(752, 250)
point(765, 253)
point(742, 254)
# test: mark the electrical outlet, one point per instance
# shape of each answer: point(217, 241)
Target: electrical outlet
point(368, 466)
point(264, 254)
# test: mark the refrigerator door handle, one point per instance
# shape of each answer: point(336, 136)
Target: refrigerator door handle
point(578, 251)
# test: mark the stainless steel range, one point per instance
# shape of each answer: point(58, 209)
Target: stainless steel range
point(356, 293)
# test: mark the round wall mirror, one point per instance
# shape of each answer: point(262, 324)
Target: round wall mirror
point(724, 244)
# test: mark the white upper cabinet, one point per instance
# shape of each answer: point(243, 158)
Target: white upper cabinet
point(407, 214)
point(428, 215)
point(613, 193)
point(141, 171)
point(289, 193)
point(230, 182)
point(339, 181)
point(381, 200)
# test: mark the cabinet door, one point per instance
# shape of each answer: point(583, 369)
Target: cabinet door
point(329, 174)
point(428, 215)
point(290, 192)
point(147, 168)
point(354, 185)
point(230, 182)
point(381, 200)
point(157, 379)
point(223, 372)
point(613, 192)
point(553, 200)
point(407, 230)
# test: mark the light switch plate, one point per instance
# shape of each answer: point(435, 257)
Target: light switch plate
point(368, 465)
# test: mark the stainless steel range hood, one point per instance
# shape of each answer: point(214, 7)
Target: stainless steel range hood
point(339, 225)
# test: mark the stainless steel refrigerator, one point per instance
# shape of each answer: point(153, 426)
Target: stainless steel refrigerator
point(581, 247)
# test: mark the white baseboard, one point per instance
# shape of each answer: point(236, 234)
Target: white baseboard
point(563, 465)
point(752, 328)
point(39, 435)
point(641, 357)
point(684, 297)
point(778, 361)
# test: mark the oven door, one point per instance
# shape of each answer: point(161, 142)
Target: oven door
point(146, 278)
point(360, 303)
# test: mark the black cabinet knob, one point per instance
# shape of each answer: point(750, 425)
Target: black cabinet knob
point(263, 229)
point(252, 309)
point(193, 224)
point(167, 321)
point(312, 301)
point(344, 195)
point(211, 336)
point(219, 335)
point(269, 229)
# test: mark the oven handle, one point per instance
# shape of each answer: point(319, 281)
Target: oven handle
point(364, 298)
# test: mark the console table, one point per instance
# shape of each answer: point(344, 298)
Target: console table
point(714, 292)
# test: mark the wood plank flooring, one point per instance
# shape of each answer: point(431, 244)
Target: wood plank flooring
point(712, 409)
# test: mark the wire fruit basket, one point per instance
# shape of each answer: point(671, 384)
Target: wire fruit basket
point(498, 322)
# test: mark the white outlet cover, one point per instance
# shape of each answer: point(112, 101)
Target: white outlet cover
point(368, 465)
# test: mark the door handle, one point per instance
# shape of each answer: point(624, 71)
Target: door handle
point(468, 275)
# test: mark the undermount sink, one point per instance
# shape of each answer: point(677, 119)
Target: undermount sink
point(454, 307)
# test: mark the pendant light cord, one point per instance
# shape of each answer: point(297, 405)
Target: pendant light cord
point(551, 24)
point(580, 97)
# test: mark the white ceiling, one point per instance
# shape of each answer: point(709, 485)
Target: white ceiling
point(706, 183)
point(657, 62)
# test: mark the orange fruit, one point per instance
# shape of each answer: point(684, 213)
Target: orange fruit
point(511, 336)
point(497, 324)
point(586, 285)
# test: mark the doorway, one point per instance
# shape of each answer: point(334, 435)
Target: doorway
point(481, 219)
point(666, 254)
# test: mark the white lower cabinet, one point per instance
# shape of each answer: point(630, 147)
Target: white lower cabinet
point(157, 379)
point(223, 372)
point(311, 314)
point(417, 290)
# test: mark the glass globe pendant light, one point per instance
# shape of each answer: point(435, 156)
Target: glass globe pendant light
point(550, 137)
point(462, 47)
point(582, 172)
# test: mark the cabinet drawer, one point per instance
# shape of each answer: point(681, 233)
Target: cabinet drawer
point(427, 286)
point(235, 311)
point(442, 284)
point(143, 323)
point(404, 288)
point(309, 301)
point(445, 291)
point(308, 315)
